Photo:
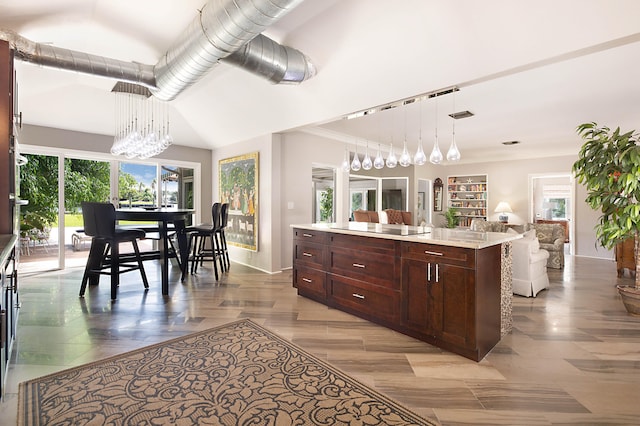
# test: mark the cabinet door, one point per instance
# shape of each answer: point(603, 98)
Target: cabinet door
point(438, 300)
point(451, 295)
point(415, 281)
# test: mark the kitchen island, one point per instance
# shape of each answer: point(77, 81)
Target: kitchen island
point(448, 287)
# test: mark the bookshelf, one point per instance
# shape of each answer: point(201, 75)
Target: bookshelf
point(468, 194)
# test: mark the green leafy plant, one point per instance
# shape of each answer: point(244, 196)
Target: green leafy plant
point(609, 166)
point(451, 215)
point(326, 205)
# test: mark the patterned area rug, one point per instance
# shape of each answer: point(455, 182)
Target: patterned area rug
point(236, 374)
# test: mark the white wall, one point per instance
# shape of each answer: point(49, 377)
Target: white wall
point(268, 255)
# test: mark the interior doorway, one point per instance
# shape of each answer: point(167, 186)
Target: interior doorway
point(552, 199)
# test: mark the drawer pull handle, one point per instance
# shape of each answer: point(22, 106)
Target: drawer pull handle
point(358, 265)
point(307, 280)
point(433, 253)
point(307, 254)
point(307, 235)
point(359, 296)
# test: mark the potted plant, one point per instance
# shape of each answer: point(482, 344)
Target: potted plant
point(451, 215)
point(609, 166)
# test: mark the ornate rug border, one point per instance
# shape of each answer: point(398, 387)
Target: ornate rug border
point(26, 386)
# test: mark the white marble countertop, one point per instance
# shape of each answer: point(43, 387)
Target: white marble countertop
point(457, 237)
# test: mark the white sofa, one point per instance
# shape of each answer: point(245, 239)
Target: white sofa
point(529, 266)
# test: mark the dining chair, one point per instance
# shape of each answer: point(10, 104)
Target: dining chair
point(199, 235)
point(104, 254)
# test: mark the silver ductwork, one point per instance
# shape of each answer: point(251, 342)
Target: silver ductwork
point(275, 62)
point(72, 60)
point(224, 30)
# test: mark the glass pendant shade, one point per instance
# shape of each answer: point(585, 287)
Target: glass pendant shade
point(392, 161)
point(436, 155)
point(453, 154)
point(420, 158)
point(355, 164)
point(378, 162)
point(405, 158)
point(366, 162)
point(345, 163)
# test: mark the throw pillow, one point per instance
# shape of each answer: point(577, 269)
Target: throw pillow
point(529, 235)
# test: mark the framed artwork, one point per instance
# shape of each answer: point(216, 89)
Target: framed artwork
point(238, 180)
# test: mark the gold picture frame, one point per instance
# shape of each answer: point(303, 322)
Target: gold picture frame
point(238, 186)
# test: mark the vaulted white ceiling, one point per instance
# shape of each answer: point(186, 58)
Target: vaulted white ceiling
point(529, 71)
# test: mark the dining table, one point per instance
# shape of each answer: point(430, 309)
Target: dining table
point(164, 217)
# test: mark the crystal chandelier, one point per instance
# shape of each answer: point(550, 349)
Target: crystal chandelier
point(141, 122)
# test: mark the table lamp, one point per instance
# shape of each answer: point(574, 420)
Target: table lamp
point(503, 208)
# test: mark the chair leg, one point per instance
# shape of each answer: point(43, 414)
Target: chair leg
point(220, 252)
point(214, 255)
point(224, 247)
point(96, 254)
point(143, 274)
point(115, 269)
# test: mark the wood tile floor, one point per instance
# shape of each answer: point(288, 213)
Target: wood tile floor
point(573, 357)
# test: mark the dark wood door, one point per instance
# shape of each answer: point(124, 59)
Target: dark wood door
point(438, 300)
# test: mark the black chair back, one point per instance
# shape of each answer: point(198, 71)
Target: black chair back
point(224, 215)
point(99, 219)
point(215, 215)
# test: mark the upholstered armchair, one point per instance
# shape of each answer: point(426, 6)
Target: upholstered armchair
point(551, 237)
point(529, 266)
point(481, 225)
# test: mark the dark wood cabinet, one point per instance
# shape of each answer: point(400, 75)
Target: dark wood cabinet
point(9, 218)
point(446, 296)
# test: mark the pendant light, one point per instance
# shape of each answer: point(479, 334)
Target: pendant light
point(366, 162)
point(405, 158)
point(355, 164)
point(436, 155)
point(420, 158)
point(453, 154)
point(392, 161)
point(378, 162)
point(345, 163)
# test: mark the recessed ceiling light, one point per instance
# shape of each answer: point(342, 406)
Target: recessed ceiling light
point(511, 143)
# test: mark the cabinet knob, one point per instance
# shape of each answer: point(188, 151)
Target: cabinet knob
point(359, 296)
point(307, 254)
point(307, 280)
point(433, 253)
point(358, 265)
point(307, 235)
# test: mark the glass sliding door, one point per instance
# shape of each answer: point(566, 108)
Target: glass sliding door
point(39, 236)
point(84, 180)
point(137, 185)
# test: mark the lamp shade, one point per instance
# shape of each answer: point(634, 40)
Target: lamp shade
point(503, 207)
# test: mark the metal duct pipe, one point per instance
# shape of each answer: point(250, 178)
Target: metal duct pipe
point(224, 29)
point(221, 28)
point(275, 62)
point(72, 60)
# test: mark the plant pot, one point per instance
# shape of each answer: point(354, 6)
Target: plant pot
point(631, 298)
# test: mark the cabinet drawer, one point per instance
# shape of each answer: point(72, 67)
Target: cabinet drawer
point(308, 254)
point(310, 282)
point(370, 300)
point(442, 254)
point(317, 237)
point(380, 269)
point(368, 244)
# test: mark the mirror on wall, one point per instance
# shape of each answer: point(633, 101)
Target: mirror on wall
point(437, 195)
point(323, 188)
point(424, 202)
